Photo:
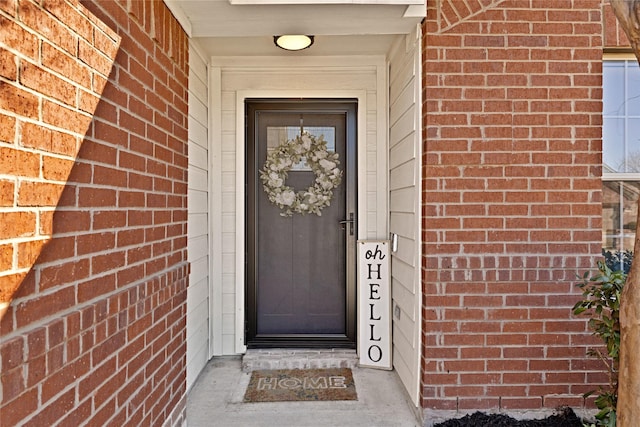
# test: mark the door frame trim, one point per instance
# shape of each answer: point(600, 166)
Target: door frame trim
point(241, 96)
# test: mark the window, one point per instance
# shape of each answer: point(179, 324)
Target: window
point(620, 154)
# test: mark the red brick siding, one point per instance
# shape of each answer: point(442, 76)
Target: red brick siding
point(44, 82)
point(512, 166)
point(96, 331)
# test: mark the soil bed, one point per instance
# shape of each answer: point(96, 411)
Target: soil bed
point(565, 417)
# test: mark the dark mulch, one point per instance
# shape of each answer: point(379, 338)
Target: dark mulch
point(565, 417)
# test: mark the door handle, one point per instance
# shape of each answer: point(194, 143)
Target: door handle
point(351, 221)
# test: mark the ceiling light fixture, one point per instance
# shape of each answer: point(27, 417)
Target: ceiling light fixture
point(293, 41)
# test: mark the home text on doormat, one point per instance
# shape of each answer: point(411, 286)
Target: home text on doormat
point(301, 385)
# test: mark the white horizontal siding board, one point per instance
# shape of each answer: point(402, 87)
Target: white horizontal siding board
point(197, 88)
point(401, 343)
point(198, 110)
point(198, 223)
point(228, 263)
point(228, 343)
point(402, 368)
point(405, 326)
point(198, 295)
point(406, 251)
point(198, 178)
point(372, 119)
point(404, 274)
point(405, 125)
point(371, 201)
point(403, 176)
point(401, 69)
point(371, 186)
point(198, 156)
point(371, 142)
point(197, 339)
point(228, 304)
point(399, 74)
point(406, 100)
point(199, 247)
point(200, 263)
point(200, 277)
point(198, 202)
point(228, 144)
point(403, 80)
point(228, 183)
point(227, 199)
point(229, 100)
point(372, 101)
point(372, 159)
point(404, 298)
point(229, 122)
point(402, 200)
point(228, 283)
point(228, 161)
point(197, 65)
point(402, 151)
point(197, 133)
point(199, 359)
point(228, 226)
point(228, 240)
point(228, 319)
point(403, 223)
point(199, 269)
point(198, 314)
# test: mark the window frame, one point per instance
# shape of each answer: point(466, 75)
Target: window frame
point(615, 176)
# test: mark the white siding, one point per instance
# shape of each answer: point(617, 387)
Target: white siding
point(322, 77)
point(404, 205)
point(198, 220)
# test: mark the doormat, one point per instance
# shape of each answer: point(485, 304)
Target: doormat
point(301, 385)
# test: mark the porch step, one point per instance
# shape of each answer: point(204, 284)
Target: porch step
point(260, 359)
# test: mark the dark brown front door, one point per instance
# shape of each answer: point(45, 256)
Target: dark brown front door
point(300, 268)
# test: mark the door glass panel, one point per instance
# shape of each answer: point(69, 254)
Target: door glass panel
point(278, 134)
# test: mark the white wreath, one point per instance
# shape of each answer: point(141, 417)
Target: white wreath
point(289, 153)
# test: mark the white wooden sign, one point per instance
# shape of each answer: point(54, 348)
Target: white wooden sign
point(374, 304)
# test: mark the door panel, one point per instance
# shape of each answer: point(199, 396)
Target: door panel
point(300, 290)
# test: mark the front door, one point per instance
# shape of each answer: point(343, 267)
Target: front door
point(300, 234)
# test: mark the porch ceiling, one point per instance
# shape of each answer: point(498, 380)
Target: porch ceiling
point(225, 27)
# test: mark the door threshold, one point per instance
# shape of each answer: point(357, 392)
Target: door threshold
point(298, 358)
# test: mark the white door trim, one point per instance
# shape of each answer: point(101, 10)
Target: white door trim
point(241, 96)
point(232, 80)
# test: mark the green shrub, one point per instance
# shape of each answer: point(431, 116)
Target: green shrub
point(601, 301)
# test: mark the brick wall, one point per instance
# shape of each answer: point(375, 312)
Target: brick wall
point(54, 63)
point(512, 166)
point(95, 331)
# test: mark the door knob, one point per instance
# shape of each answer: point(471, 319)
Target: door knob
point(351, 221)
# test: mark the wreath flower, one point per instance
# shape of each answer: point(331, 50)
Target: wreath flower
point(289, 153)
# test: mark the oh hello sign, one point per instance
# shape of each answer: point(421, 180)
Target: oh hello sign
point(374, 296)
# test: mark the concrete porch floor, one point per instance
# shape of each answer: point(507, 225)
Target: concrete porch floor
point(216, 399)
